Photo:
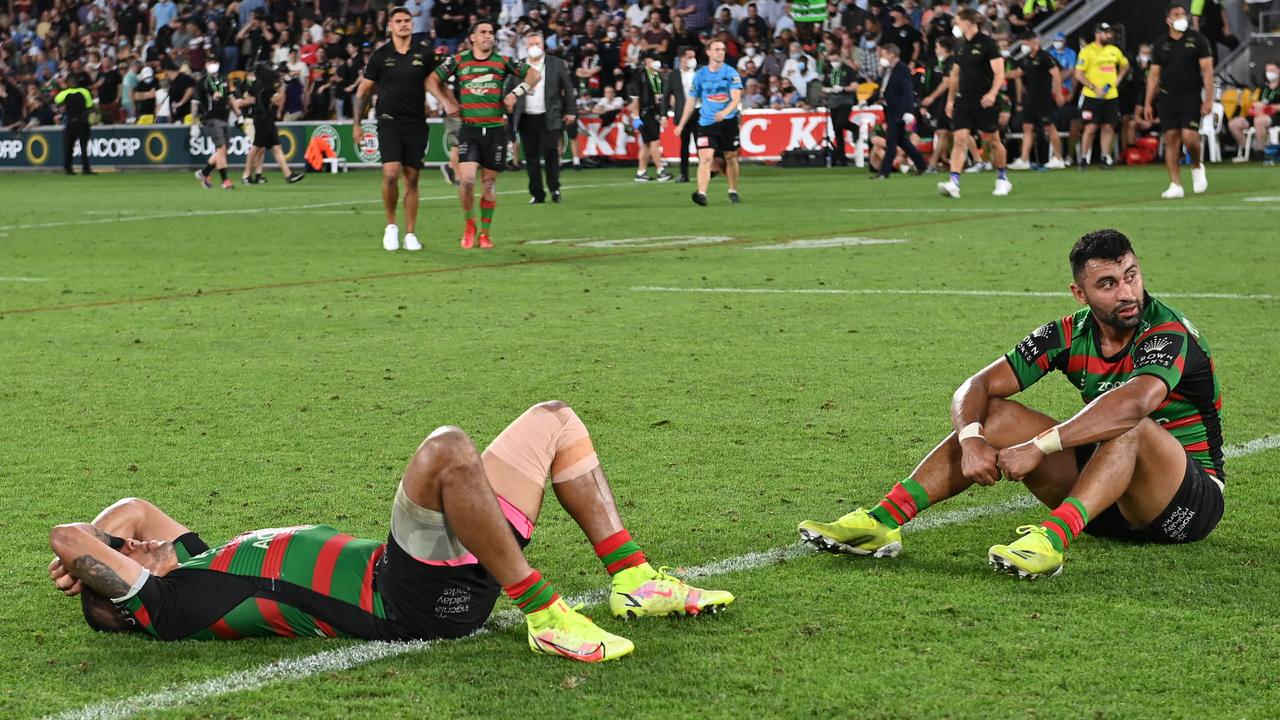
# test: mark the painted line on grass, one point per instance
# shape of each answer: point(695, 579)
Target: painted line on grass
point(351, 656)
point(259, 210)
point(929, 291)
point(825, 243)
point(1046, 210)
point(22, 279)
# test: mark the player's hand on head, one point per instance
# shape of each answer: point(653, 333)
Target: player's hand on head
point(63, 580)
point(978, 462)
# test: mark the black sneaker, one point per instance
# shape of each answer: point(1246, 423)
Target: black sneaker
point(700, 199)
point(536, 200)
point(555, 196)
point(664, 176)
point(733, 197)
point(259, 179)
point(295, 177)
point(643, 177)
point(247, 180)
point(682, 179)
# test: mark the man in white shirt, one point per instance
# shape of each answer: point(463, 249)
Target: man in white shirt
point(541, 115)
point(637, 13)
point(771, 10)
point(799, 66)
point(784, 23)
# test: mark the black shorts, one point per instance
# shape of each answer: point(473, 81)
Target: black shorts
point(265, 135)
point(1178, 113)
point(1191, 515)
point(721, 136)
point(1097, 111)
point(435, 601)
point(402, 141)
point(484, 145)
point(650, 126)
point(1039, 110)
point(938, 112)
point(968, 114)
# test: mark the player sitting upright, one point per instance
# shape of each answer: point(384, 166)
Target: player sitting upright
point(1143, 460)
point(458, 525)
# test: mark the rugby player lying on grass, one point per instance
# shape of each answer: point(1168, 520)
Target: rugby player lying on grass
point(459, 522)
point(1143, 459)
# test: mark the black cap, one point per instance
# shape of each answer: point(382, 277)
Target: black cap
point(1103, 27)
point(898, 9)
point(649, 55)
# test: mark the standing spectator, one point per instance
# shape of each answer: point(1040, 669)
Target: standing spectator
point(1265, 112)
point(12, 103)
point(450, 18)
point(868, 61)
point(144, 95)
point(839, 83)
point(182, 90)
point(1099, 70)
point(421, 12)
point(675, 94)
point(127, 85)
point(165, 12)
point(752, 97)
point(1182, 72)
point(541, 115)
point(800, 67)
point(785, 23)
point(107, 89)
point(697, 14)
point(645, 91)
point(753, 21)
point(905, 36)
point(898, 93)
point(212, 105)
point(656, 37)
point(76, 101)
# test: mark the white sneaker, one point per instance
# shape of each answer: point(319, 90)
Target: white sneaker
point(391, 238)
point(975, 168)
point(1055, 164)
point(1239, 159)
point(1003, 187)
point(411, 242)
point(1019, 164)
point(949, 189)
point(1199, 183)
point(1173, 193)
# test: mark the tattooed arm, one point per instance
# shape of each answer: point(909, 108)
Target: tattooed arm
point(84, 559)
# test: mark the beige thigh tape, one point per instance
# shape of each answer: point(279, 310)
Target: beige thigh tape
point(423, 533)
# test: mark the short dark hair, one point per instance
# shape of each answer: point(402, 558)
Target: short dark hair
point(1175, 6)
point(101, 614)
point(684, 49)
point(1098, 245)
point(891, 49)
point(970, 15)
point(397, 10)
point(482, 21)
point(945, 43)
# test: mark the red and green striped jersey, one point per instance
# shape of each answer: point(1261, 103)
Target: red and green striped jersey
point(481, 85)
point(1166, 345)
point(312, 566)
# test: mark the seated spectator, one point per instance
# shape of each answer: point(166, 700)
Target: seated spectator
point(786, 98)
point(753, 21)
point(1263, 114)
point(608, 107)
point(752, 97)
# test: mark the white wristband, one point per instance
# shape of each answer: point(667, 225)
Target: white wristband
point(1049, 441)
point(973, 429)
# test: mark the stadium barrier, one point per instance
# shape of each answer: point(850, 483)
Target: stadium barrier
point(765, 135)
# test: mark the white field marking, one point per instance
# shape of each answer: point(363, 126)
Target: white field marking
point(22, 279)
point(1009, 211)
point(824, 243)
point(350, 656)
point(636, 242)
point(1263, 199)
point(258, 210)
point(926, 291)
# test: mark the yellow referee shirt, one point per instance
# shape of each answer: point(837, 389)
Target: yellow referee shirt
point(1101, 65)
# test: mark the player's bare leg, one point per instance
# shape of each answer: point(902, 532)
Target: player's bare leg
point(961, 140)
point(467, 196)
point(1055, 142)
point(390, 194)
point(550, 440)
point(706, 159)
point(1086, 144)
point(488, 203)
point(1191, 141)
point(731, 172)
point(1028, 142)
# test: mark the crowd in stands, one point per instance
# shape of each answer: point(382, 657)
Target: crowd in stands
point(141, 59)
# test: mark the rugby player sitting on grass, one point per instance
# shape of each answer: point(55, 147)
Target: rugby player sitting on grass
point(1142, 461)
point(459, 522)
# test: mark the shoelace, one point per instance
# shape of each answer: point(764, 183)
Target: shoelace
point(1037, 529)
point(662, 574)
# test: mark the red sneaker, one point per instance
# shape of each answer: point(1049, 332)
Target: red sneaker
point(485, 242)
point(469, 236)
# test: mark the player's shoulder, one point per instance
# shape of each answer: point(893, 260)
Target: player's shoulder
point(1159, 317)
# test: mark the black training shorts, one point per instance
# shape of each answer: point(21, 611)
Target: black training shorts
point(265, 135)
point(1178, 113)
point(1039, 110)
point(968, 114)
point(650, 126)
point(721, 136)
point(1191, 515)
point(938, 113)
point(484, 145)
point(1097, 111)
point(402, 141)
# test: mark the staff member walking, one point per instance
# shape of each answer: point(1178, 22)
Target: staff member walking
point(541, 115)
point(1041, 97)
point(899, 95)
point(402, 72)
point(645, 89)
point(675, 93)
point(976, 79)
point(718, 88)
point(212, 105)
point(1182, 71)
point(75, 101)
point(1099, 69)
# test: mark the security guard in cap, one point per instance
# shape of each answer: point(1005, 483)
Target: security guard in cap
point(76, 101)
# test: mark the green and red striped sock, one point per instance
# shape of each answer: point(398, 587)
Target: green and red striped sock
point(532, 593)
point(619, 552)
point(469, 215)
point(1065, 523)
point(486, 214)
point(903, 502)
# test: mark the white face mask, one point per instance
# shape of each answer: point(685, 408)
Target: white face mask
point(1273, 76)
point(1181, 24)
point(1026, 49)
point(1144, 59)
point(212, 69)
point(884, 62)
point(691, 64)
point(535, 51)
point(1058, 44)
point(956, 31)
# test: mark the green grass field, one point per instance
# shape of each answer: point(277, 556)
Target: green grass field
point(253, 359)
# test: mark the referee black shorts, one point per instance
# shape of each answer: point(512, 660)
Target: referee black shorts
point(1191, 515)
point(402, 141)
point(1178, 113)
point(1099, 111)
point(484, 145)
point(968, 114)
point(721, 136)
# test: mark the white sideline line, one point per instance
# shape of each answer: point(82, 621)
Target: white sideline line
point(927, 291)
point(22, 279)
point(350, 656)
point(258, 210)
point(824, 243)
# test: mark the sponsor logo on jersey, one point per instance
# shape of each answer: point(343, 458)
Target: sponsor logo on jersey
point(718, 97)
point(1040, 341)
point(1160, 350)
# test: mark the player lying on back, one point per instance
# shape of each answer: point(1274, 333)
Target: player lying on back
point(1142, 461)
point(459, 523)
